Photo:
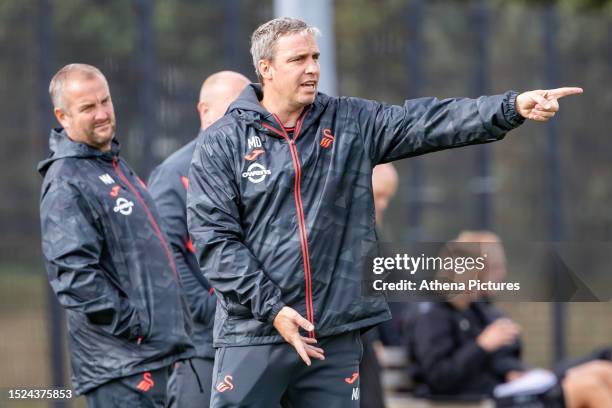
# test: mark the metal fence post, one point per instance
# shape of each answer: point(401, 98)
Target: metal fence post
point(482, 182)
point(54, 312)
point(553, 171)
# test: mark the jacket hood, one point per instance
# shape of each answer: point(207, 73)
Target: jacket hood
point(247, 107)
point(62, 147)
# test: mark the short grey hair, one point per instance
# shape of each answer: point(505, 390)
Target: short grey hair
point(265, 37)
point(61, 78)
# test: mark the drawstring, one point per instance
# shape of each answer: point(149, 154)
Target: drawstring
point(196, 376)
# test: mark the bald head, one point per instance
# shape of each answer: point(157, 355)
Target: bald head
point(218, 91)
point(384, 187)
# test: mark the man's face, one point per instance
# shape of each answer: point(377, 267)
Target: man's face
point(294, 72)
point(88, 115)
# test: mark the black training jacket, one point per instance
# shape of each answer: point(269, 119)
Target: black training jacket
point(168, 185)
point(109, 265)
point(284, 219)
point(447, 359)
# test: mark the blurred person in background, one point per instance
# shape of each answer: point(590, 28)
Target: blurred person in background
point(280, 207)
point(464, 346)
point(191, 380)
point(108, 262)
point(384, 186)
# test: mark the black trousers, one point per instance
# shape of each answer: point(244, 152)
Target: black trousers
point(143, 390)
point(190, 383)
point(273, 375)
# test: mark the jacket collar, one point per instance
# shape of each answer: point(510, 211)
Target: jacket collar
point(249, 109)
point(62, 146)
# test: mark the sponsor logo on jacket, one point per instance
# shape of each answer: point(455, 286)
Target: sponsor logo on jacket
point(123, 206)
point(256, 173)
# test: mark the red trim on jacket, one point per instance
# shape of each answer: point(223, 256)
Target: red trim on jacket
point(149, 215)
point(300, 210)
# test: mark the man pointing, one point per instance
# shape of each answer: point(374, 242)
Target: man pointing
point(283, 250)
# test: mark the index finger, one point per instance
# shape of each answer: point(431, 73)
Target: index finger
point(561, 92)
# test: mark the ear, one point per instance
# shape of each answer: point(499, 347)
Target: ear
point(60, 115)
point(265, 69)
point(203, 109)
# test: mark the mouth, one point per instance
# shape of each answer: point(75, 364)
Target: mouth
point(309, 85)
point(102, 125)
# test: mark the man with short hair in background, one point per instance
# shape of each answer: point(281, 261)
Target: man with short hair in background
point(280, 210)
point(107, 259)
point(190, 382)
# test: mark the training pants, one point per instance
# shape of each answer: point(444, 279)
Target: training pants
point(143, 390)
point(273, 375)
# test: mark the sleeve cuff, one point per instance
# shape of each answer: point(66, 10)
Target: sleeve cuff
point(275, 309)
point(510, 112)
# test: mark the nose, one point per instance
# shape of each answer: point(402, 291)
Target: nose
point(312, 67)
point(101, 113)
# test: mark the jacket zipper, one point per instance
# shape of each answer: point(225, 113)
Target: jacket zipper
point(300, 210)
point(149, 215)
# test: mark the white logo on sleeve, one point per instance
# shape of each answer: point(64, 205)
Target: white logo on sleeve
point(355, 394)
point(256, 173)
point(123, 206)
point(106, 179)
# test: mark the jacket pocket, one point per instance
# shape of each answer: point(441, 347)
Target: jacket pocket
point(238, 311)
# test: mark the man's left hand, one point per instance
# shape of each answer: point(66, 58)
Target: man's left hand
point(541, 105)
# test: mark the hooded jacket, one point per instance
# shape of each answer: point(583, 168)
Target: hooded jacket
point(285, 219)
point(109, 265)
point(168, 185)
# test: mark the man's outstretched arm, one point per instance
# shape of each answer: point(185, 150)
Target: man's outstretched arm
point(426, 125)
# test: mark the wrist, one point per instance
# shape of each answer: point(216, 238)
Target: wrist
point(512, 109)
point(275, 311)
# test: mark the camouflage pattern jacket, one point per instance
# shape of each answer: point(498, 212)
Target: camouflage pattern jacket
point(282, 217)
point(109, 265)
point(168, 185)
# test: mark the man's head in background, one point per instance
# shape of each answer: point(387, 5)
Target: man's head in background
point(83, 106)
point(218, 91)
point(481, 243)
point(485, 245)
point(384, 186)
